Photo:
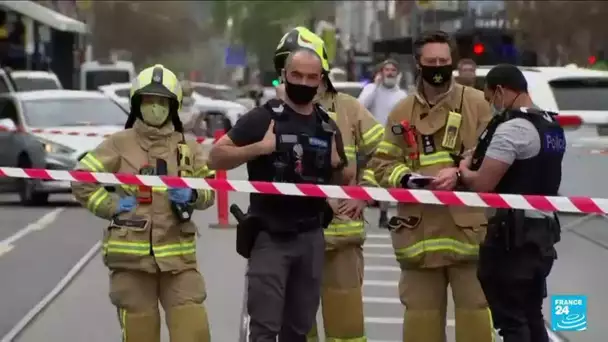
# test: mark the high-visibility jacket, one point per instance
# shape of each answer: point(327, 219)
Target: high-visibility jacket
point(361, 134)
point(425, 235)
point(154, 239)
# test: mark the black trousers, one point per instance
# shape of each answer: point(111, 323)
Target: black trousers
point(284, 285)
point(515, 284)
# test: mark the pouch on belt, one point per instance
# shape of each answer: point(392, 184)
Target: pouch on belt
point(247, 231)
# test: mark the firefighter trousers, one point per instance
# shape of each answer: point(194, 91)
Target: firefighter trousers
point(136, 295)
point(423, 291)
point(342, 296)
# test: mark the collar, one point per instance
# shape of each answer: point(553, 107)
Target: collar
point(148, 135)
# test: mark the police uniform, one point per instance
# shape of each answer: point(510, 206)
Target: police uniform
point(286, 259)
point(150, 250)
point(518, 252)
point(435, 245)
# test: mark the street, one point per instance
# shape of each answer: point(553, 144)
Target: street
point(39, 246)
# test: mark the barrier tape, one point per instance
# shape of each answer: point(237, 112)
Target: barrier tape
point(200, 140)
point(447, 198)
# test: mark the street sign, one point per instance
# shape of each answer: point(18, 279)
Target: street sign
point(235, 56)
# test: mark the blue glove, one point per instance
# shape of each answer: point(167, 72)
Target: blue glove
point(180, 195)
point(126, 204)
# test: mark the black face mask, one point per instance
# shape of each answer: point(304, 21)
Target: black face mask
point(300, 94)
point(436, 75)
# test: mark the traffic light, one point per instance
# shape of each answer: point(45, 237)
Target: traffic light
point(591, 60)
point(479, 49)
point(275, 83)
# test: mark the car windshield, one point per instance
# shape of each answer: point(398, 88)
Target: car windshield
point(583, 94)
point(73, 112)
point(98, 78)
point(352, 91)
point(214, 93)
point(30, 83)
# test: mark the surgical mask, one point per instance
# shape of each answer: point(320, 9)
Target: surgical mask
point(154, 114)
point(300, 94)
point(436, 75)
point(495, 110)
point(389, 82)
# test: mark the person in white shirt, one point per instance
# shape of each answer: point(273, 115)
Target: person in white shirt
point(379, 98)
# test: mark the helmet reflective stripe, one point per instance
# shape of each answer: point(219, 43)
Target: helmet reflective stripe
point(301, 37)
point(157, 80)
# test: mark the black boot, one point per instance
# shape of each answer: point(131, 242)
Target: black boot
point(383, 222)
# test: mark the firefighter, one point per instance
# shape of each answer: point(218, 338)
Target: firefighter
point(343, 270)
point(436, 246)
point(149, 244)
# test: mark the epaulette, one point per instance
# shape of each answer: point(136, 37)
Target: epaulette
point(275, 107)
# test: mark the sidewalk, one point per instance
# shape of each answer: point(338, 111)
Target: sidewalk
point(83, 311)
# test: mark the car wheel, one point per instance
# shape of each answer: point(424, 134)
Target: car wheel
point(27, 188)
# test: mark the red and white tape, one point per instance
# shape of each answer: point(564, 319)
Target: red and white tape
point(447, 198)
point(200, 140)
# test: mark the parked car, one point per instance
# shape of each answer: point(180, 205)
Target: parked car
point(79, 112)
point(29, 80)
point(222, 92)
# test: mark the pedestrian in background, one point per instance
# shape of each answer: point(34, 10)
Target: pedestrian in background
point(466, 72)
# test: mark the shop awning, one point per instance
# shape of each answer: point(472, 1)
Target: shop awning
point(46, 16)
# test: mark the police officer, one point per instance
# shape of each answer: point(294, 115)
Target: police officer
point(435, 246)
point(150, 243)
point(520, 152)
point(295, 141)
point(342, 297)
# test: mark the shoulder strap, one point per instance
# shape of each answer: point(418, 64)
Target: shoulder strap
point(276, 108)
point(461, 99)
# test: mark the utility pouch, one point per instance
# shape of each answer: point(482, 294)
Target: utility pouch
point(247, 231)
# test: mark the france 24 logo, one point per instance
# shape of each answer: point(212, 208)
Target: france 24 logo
point(569, 313)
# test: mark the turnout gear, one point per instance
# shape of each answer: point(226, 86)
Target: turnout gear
point(150, 251)
point(436, 245)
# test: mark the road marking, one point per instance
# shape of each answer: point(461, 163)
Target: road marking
point(381, 283)
point(382, 269)
point(378, 245)
point(43, 222)
point(378, 236)
point(381, 300)
point(379, 255)
point(48, 299)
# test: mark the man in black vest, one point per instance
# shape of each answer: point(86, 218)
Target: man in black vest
point(520, 152)
point(292, 141)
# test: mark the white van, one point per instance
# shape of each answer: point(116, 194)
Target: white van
point(96, 74)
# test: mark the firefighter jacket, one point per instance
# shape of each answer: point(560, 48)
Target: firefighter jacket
point(361, 134)
point(425, 235)
point(149, 237)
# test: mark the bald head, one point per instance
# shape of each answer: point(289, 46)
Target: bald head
point(303, 67)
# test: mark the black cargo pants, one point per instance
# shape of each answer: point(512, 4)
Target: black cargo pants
point(515, 284)
point(284, 285)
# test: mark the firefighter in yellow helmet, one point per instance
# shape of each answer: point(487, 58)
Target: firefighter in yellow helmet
point(342, 298)
point(149, 244)
point(436, 246)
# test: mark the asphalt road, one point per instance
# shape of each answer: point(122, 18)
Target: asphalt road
point(51, 240)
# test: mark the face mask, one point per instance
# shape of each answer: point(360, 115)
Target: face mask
point(389, 82)
point(154, 114)
point(496, 110)
point(300, 94)
point(436, 75)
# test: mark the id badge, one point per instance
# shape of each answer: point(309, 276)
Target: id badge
point(452, 128)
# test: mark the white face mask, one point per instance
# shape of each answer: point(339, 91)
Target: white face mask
point(154, 114)
point(389, 82)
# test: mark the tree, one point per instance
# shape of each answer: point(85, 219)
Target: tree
point(259, 25)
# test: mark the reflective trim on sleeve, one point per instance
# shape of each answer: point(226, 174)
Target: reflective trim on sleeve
point(97, 198)
point(369, 177)
point(373, 135)
point(90, 163)
point(436, 245)
point(435, 158)
point(400, 170)
point(350, 228)
point(389, 149)
point(351, 152)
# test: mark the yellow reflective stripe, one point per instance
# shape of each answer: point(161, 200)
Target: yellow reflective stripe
point(175, 249)
point(400, 170)
point(92, 163)
point(387, 148)
point(436, 245)
point(345, 228)
point(354, 339)
point(435, 158)
point(369, 177)
point(350, 151)
point(134, 188)
point(122, 313)
point(125, 247)
point(206, 195)
point(373, 135)
point(96, 198)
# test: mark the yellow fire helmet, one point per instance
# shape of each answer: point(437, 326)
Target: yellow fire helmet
point(302, 38)
point(160, 81)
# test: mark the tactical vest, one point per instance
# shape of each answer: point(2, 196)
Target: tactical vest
point(539, 175)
